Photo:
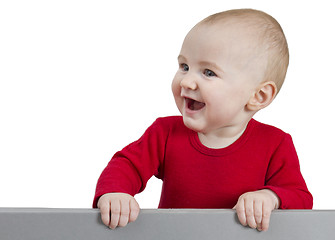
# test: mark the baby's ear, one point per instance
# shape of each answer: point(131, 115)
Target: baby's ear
point(263, 96)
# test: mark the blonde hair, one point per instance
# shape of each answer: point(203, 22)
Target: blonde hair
point(272, 39)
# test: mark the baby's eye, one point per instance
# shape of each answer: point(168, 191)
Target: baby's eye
point(209, 73)
point(184, 67)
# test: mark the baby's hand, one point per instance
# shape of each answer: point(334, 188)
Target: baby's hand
point(117, 209)
point(254, 208)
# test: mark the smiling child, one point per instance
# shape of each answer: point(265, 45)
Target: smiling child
point(231, 65)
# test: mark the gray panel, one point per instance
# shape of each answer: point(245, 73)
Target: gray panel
point(84, 224)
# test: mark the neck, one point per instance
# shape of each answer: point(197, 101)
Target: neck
point(222, 138)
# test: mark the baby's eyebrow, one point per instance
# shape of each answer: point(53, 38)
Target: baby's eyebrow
point(211, 65)
point(207, 64)
point(181, 58)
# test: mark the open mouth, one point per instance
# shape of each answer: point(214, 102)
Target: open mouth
point(193, 104)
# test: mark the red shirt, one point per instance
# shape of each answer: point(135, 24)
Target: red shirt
point(195, 176)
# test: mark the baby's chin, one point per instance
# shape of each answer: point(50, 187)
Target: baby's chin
point(191, 124)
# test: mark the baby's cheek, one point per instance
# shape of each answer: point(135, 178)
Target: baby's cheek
point(176, 90)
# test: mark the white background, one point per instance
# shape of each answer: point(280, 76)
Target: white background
point(79, 80)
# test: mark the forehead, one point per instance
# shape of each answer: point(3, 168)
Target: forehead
point(226, 40)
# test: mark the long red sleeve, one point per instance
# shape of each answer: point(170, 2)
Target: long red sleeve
point(195, 176)
point(130, 169)
point(284, 178)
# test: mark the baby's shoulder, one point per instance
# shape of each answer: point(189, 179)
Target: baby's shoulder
point(167, 124)
point(267, 131)
point(169, 121)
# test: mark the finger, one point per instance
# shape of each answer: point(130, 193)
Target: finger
point(105, 212)
point(134, 210)
point(240, 210)
point(249, 212)
point(124, 216)
point(266, 218)
point(115, 214)
point(258, 214)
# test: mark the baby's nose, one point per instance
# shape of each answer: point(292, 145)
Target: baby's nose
point(188, 83)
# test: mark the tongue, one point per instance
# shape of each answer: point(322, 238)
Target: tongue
point(195, 105)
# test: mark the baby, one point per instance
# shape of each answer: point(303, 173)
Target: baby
point(231, 65)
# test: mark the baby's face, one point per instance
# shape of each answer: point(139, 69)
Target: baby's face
point(219, 71)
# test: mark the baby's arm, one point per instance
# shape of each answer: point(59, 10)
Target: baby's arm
point(254, 208)
point(118, 209)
